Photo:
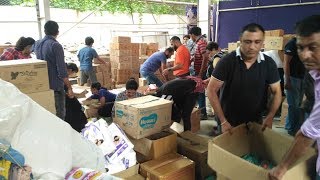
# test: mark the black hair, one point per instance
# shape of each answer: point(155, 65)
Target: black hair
point(96, 86)
point(308, 26)
point(170, 50)
point(186, 36)
point(132, 84)
point(24, 42)
point(252, 27)
point(195, 31)
point(51, 28)
point(89, 40)
point(175, 38)
point(73, 67)
point(212, 46)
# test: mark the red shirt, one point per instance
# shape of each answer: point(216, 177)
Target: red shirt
point(11, 54)
point(198, 55)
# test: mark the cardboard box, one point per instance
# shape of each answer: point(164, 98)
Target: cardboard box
point(99, 76)
point(195, 120)
point(143, 48)
point(195, 148)
point(132, 173)
point(123, 75)
point(156, 145)
point(287, 38)
point(153, 46)
point(105, 58)
point(79, 92)
point(103, 67)
point(143, 116)
point(120, 46)
point(171, 166)
point(233, 46)
point(120, 53)
point(28, 75)
point(121, 59)
point(143, 82)
point(273, 43)
point(123, 65)
point(150, 52)
point(135, 46)
point(276, 32)
point(121, 39)
point(90, 112)
point(226, 150)
point(44, 99)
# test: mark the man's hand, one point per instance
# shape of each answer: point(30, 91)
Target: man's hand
point(165, 72)
point(276, 173)
point(225, 125)
point(267, 122)
point(70, 93)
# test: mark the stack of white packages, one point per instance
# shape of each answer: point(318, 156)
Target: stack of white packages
point(115, 145)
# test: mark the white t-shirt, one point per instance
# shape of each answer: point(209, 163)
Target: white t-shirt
point(275, 56)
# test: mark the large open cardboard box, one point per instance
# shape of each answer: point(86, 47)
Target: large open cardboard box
point(143, 116)
point(226, 150)
point(156, 145)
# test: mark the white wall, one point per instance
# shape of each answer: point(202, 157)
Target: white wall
point(21, 21)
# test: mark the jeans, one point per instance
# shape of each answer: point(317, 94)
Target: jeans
point(151, 78)
point(85, 74)
point(60, 103)
point(202, 99)
point(294, 98)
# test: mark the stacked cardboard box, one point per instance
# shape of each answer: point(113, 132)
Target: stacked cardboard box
point(30, 76)
point(121, 59)
point(143, 49)
point(152, 48)
point(233, 46)
point(104, 76)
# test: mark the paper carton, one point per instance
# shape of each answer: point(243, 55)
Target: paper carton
point(195, 120)
point(156, 145)
point(273, 43)
point(44, 99)
point(121, 39)
point(131, 173)
point(28, 75)
point(168, 167)
point(226, 150)
point(195, 147)
point(143, 116)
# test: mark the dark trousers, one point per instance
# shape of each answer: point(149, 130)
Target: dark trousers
point(184, 109)
point(105, 111)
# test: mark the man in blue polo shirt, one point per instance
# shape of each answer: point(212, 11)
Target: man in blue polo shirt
point(243, 77)
point(86, 56)
point(156, 61)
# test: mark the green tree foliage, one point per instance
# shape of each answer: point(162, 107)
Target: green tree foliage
point(113, 6)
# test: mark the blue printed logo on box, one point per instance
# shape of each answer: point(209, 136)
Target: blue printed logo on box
point(119, 113)
point(148, 122)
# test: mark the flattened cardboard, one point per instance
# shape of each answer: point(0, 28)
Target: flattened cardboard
point(225, 151)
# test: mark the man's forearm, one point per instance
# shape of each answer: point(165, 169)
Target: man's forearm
point(176, 67)
point(276, 101)
point(297, 149)
point(214, 101)
point(67, 83)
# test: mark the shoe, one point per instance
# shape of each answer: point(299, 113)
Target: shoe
point(204, 117)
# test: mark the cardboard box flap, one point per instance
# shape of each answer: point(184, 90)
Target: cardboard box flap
point(144, 102)
point(154, 164)
point(193, 142)
point(172, 167)
point(131, 171)
point(22, 62)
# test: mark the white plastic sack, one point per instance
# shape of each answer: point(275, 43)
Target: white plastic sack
point(47, 142)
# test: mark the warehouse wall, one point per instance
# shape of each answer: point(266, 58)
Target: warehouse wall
point(231, 22)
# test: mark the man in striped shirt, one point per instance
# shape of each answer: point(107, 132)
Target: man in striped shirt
point(200, 64)
point(50, 50)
